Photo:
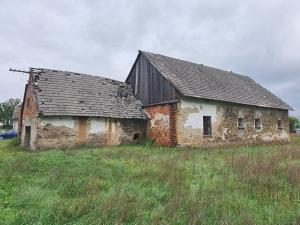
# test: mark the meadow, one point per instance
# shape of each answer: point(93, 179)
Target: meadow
point(148, 184)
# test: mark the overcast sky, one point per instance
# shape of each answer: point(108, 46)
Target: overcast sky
point(260, 39)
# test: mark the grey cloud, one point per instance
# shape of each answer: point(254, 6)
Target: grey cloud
point(259, 39)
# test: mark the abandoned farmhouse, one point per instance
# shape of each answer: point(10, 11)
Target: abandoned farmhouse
point(171, 101)
point(64, 109)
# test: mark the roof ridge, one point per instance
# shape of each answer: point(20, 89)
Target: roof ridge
point(198, 64)
point(79, 74)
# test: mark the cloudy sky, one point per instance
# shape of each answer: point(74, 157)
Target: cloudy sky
point(260, 39)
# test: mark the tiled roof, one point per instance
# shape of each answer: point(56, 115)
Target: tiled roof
point(73, 94)
point(197, 80)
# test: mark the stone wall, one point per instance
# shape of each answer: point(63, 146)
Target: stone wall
point(67, 132)
point(224, 116)
point(162, 126)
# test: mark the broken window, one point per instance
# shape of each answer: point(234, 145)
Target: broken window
point(257, 124)
point(207, 125)
point(241, 124)
point(280, 125)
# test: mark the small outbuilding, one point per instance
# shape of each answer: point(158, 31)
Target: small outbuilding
point(16, 117)
point(65, 109)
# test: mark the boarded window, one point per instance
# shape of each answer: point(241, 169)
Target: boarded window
point(257, 124)
point(207, 125)
point(241, 124)
point(280, 125)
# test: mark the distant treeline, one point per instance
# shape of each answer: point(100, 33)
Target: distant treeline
point(6, 112)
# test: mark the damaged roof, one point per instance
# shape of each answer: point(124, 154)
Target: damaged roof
point(197, 80)
point(73, 94)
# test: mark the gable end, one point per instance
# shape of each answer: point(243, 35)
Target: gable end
point(149, 85)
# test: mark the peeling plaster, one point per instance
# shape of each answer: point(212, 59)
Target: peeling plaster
point(224, 123)
point(197, 110)
point(160, 120)
point(97, 125)
point(58, 121)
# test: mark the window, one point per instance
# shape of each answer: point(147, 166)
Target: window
point(280, 125)
point(207, 125)
point(257, 124)
point(241, 124)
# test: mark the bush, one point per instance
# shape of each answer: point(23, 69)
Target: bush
point(293, 124)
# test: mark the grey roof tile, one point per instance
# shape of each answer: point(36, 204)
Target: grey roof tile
point(197, 80)
point(73, 94)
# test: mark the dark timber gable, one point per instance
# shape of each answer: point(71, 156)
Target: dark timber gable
point(148, 85)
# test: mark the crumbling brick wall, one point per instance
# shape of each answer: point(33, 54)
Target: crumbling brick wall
point(29, 116)
point(162, 127)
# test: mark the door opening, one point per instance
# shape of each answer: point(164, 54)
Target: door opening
point(27, 136)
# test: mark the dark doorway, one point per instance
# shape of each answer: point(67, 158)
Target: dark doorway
point(136, 136)
point(27, 136)
point(206, 125)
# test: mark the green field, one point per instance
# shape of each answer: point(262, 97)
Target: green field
point(144, 184)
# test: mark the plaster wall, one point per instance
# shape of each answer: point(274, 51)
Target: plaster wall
point(224, 116)
point(67, 132)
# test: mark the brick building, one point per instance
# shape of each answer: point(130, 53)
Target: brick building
point(64, 109)
point(191, 104)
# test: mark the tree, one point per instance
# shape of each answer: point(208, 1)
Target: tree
point(6, 111)
point(297, 126)
point(294, 123)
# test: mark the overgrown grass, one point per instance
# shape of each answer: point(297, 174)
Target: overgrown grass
point(147, 184)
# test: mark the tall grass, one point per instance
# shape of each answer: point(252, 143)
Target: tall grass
point(272, 174)
point(148, 184)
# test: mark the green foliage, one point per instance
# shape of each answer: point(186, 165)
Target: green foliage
point(293, 124)
point(146, 142)
point(6, 112)
point(138, 184)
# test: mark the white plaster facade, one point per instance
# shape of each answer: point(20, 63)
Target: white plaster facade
point(224, 127)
